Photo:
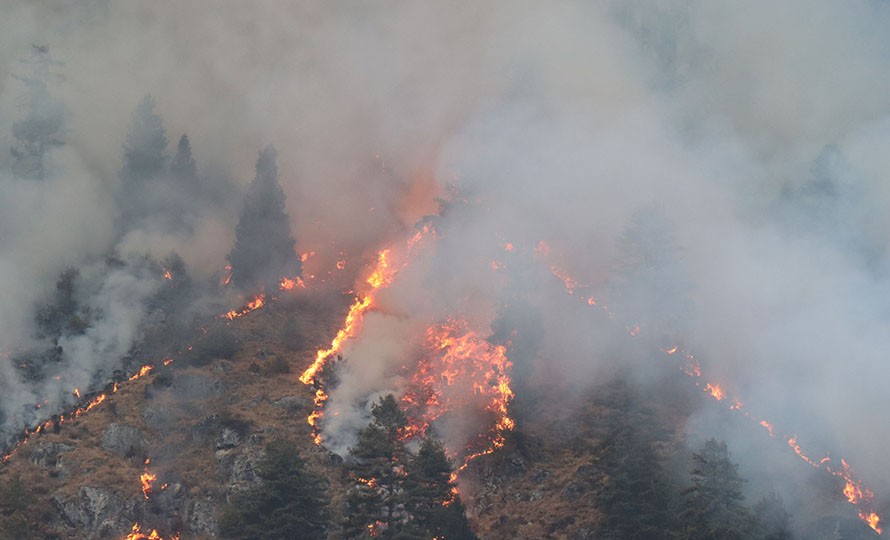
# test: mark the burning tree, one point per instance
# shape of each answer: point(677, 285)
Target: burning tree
point(264, 245)
point(37, 133)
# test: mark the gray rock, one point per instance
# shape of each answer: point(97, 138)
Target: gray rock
point(205, 429)
point(572, 491)
point(227, 438)
point(581, 533)
point(202, 518)
point(157, 417)
point(223, 366)
point(96, 512)
point(47, 454)
point(123, 440)
point(536, 495)
point(540, 475)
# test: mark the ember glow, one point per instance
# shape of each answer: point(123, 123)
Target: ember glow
point(255, 304)
point(146, 479)
point(78, 411)
point(381, 276)
point(137, 534)
point(461, 371)
point(853, 490)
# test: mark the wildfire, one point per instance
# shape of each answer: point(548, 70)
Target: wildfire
point(255, 304)
point(380, 277)
point(167, 275)
point(56, 421)
point(227, 276)
point(137, 534)
point(853, 490)
point(460, 364)
point(715, 391)
point(289, 284)
point(147, 478)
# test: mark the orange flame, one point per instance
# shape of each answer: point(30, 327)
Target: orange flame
point(147, 478)
point(715, 391)
point(289, 284)
point(137, 534)
point(253, 305)
point(460, 360)
point(381, 277)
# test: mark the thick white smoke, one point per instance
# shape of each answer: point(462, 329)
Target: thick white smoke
point(757, 132)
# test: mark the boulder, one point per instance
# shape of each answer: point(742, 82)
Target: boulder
point(123, 440)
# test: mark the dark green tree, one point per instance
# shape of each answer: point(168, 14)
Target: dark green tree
point(289, 503)
point(182, 166)
point(635, 494)
point(376, 502)
point(435, 510)
point(264, 246)
point(62, 315)
point(711, 507)
point(38, 131)
point(773, 520)
point(145, 145)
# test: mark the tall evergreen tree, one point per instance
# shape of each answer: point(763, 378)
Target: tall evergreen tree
point(142, 175)
point(264, 246)
point(436, 512)
point(773, 520)
point(651, 288)
point(289, 504)
point(145, 145)
point(376, 502)
point(182, 166)
point(38, 132)
point(635, 495)
point(712, 508)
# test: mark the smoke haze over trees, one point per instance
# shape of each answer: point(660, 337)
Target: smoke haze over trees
point(608, 181)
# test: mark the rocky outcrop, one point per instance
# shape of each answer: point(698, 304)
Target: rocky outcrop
point(123, 440)
point(48, 456)
point(96, 513)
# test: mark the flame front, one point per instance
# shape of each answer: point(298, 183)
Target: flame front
point(255, 304)
point(461, 371)
point(137, 534)
point(381, 277)
point(147, 478)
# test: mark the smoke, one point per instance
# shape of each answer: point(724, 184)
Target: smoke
point(756, 132)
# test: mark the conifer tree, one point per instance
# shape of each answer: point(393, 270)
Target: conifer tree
point(183, 170)
point(635, 495)
point(436, 512)
point(143, 192)
point(712, 508)
point(264, 246)
point(38, 132)
point(290, 502)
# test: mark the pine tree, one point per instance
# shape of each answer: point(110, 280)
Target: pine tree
point(376, 502)
point(143, 192)
point(145, 145)
point(264, 246)
point(635, 495)
point(773, 521)
point(38, 132)
point(436, 512)
point(289, 504)
point(712, 508)
point(183, 170)
point(651, 288)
